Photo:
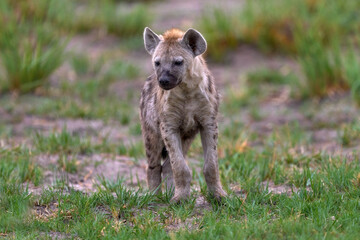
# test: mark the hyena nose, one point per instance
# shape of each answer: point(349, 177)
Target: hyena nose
point(164, 81)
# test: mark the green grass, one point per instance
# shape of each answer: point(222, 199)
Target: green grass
point(82, 65)
point(92, 96)
point(31, 51)
point(33, 40)
point(17, 169)
point(352, 73)
point(270, 76)
point(322, 66)
point(126, 22)
point(68, 145)
point(63, 142)
point(307, 30)
point(350, 135)
point(29, 58)
point(17, 166)
point(218, 30)
point(113, 18)
point(273, 25)
point(68, 163)
point(323, 203)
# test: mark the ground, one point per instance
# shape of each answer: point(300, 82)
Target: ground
point(275, 151)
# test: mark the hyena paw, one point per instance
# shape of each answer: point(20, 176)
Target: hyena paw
point(219, 194)
point(180, 197)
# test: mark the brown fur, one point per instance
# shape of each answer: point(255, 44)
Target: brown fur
point(173, 35)
point(170, 119)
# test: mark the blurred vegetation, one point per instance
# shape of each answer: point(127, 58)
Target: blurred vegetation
point(30, 52)
point(316, 33)
point(221, 36)
point(34, 34)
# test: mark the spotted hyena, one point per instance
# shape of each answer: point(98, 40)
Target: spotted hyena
point(179, 100)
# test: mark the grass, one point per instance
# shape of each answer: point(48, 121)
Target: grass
point(217, 27)
point(68, 163)
point(350, 135)
point(29, 59)
point(31, 52)
point(323, 202)
point(111, 17)
point(91, 96)
point(33, 40)
point(18, 166)
point(63, 142)
point(352, 73)
point(270, 76)
point(125, 22)
point(321, 65)
point(307, 30)
point(82, 65)
point(273, 25)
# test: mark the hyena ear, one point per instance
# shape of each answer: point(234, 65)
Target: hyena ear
point(151, 40)
point(194, 41)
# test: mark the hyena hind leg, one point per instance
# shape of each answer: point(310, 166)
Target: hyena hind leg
point(153, 154)
point(167, 175)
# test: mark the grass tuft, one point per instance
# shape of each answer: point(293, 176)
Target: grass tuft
point(221, 36)
point(29, 59)
point(63, 142)
point(30, 52)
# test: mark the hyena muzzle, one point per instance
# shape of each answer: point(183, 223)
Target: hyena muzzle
point(179, 100)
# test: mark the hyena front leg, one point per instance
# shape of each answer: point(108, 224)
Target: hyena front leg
point(166, 167)
point(153, 148)
point(209, 135)
point(181, 172)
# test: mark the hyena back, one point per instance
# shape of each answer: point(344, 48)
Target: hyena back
point(179, 100)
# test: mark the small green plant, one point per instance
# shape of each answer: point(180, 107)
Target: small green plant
point(68, 163)
point(350, 134)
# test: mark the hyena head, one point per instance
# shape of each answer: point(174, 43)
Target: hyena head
point(173, 54)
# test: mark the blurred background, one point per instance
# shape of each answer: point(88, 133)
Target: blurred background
point(71, 73)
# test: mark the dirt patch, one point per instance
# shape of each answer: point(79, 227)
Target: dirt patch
point(279, 189)
point(112, 131)
point(90, 169)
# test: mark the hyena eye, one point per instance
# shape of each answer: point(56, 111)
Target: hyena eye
point(179, 62)
point(157, 63)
